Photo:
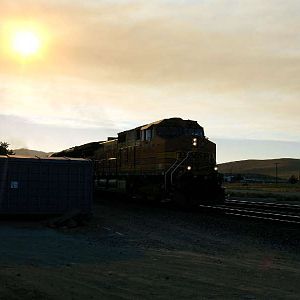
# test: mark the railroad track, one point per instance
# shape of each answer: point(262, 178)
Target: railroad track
point(263, 205)
point(259, 210)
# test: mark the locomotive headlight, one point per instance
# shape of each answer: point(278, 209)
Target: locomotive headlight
point(189, 168)
point(194, 142)
point(216, 168)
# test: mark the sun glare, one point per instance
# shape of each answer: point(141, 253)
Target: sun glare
point(26, 43)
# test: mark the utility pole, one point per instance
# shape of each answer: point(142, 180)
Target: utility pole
point(276, 171)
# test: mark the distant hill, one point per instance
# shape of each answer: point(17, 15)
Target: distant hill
point(286, 167)
point(28, 152)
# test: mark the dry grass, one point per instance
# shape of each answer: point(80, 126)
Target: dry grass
point(265, 187)
point(281, 191)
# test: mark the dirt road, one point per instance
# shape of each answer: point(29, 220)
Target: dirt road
point(129, 251)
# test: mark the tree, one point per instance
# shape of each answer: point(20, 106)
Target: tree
point(293, 179)
point(4, 149)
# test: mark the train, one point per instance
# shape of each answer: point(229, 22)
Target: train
point(170, 160)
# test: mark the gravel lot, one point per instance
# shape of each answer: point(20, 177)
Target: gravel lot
point(132, 251)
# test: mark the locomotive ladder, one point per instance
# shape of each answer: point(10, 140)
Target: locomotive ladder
point(174, 167)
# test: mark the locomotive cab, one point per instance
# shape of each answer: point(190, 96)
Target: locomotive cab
point(189, 160)
point(176, 139)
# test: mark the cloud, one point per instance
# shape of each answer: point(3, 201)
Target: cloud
point(21, 132)
point(219, 46)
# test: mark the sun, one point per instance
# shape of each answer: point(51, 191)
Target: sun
point(26, 43)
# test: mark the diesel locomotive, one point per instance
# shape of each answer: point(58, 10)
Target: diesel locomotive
point(167, 160)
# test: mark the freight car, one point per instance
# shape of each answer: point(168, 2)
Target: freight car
point(167, 160)
point(33, 185)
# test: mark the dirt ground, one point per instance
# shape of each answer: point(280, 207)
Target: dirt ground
point(131, 251)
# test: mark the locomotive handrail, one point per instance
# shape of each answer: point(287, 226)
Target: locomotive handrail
point(187, 155)
point(168, 172)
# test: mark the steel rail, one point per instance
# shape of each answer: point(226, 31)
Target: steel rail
point(260, 203)
point(264, 218)
point(258, 214)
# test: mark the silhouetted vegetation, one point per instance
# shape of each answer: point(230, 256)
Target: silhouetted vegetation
point(4, 149)
point(293, 179)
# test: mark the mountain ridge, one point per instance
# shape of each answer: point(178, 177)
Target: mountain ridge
point(30, 152)
point(286, 167)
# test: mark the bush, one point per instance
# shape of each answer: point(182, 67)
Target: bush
point(4, 149)
point(293, 179)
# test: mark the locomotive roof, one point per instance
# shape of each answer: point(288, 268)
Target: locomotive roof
point(41, 158)
point(151, 124)
point(172, 122)
point(177, 121)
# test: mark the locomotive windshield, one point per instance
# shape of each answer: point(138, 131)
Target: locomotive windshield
point(179, 131)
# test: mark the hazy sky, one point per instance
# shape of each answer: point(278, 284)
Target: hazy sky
point(107, 66)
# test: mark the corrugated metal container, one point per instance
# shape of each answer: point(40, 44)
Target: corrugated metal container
point(45, 185)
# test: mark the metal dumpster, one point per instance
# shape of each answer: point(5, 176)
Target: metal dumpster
point(45, 185)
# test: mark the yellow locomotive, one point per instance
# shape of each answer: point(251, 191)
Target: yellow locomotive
point(170, 159)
